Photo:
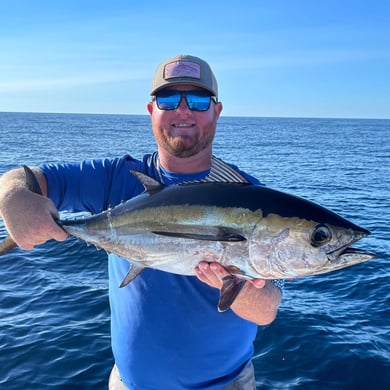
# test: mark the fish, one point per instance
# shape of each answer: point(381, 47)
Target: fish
point(251, 230)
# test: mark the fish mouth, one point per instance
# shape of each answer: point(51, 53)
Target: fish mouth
point(345, 254)
point(348, 254)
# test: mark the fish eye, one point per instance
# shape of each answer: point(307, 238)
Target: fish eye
point(321, 235)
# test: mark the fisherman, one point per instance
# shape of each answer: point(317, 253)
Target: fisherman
point(167, 333)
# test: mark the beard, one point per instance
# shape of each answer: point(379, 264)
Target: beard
point(184, 146)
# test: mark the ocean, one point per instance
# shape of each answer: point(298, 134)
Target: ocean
point(332, 331)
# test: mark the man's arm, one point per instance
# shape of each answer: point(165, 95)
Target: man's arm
point(28, 217)
point(257, 302)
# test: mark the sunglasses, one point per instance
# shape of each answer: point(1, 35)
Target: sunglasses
point(196, 100)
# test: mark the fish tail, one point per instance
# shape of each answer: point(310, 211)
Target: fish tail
point(7, 245)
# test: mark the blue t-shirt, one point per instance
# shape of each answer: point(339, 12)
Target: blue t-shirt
point(166, 330)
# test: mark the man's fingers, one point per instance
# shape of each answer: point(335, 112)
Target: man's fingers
point(58, 234)
point(258, 283)
point(211, 273)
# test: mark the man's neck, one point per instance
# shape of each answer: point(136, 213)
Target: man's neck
point(197, 163)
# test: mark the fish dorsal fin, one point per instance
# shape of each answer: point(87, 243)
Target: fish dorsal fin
point(150, 184)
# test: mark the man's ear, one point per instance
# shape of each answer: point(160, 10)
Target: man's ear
point(150, 107)
point(218, 109)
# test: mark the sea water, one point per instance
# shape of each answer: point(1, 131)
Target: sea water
point(332, 331)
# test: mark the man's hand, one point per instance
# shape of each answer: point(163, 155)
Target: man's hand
point(213, 273)
point(258, 300)
point(28, 217)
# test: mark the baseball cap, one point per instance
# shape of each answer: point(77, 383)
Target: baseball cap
point(185, 69)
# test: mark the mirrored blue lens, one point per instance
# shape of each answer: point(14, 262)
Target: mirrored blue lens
point(196, 100)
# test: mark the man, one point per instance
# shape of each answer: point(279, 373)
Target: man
point(166, 331)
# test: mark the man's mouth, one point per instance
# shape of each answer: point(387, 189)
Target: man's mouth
point(182, 125)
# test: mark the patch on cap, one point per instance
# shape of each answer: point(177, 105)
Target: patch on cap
point(182, 68)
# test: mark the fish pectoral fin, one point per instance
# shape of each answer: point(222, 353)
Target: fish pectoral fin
point(209, 233)
point(232, 285)
point(134, 270)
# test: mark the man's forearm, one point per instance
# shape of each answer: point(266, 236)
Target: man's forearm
point(259, 305)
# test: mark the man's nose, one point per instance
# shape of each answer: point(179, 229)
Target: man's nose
point(183, 106)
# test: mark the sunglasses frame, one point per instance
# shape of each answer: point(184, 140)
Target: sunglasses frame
point(183, 94)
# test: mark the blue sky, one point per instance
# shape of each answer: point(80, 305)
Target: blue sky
point(291, 58)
